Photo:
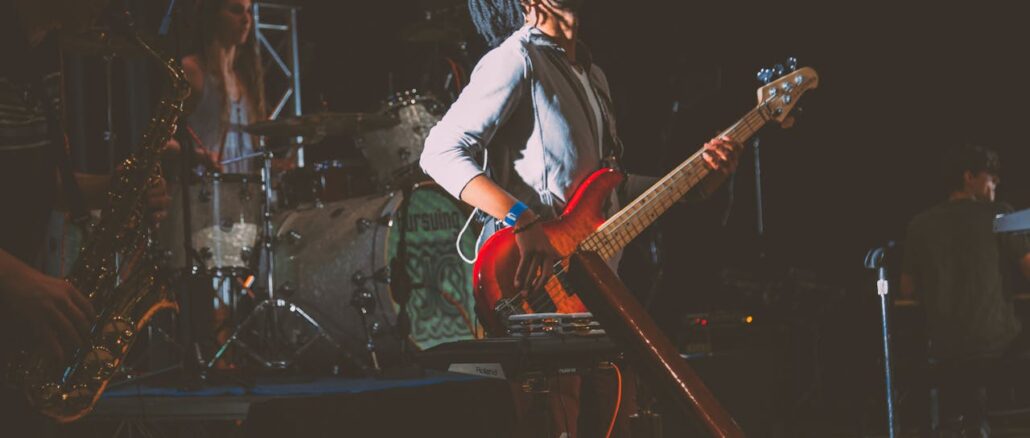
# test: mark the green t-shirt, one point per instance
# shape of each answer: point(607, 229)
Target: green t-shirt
point(963, 275)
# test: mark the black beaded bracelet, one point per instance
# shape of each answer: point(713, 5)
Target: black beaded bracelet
point(519, 229)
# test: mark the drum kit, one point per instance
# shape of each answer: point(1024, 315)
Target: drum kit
point(356, 252)
point(375, 274)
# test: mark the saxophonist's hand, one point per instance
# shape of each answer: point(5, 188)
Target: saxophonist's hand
point(55, 315)
point(201, 156)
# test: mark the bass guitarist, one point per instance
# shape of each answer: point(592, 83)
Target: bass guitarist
point(541, 113)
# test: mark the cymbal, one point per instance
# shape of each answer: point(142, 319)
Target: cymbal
point(100, 42)
point(322, 124)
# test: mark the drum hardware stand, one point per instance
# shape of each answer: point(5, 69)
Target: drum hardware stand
point(400, 281)
point(109, 135)
point(364, 301)
point(191, 372)
point(266, 309)
point(395, 274)
point(877, 259)
point(399, 278)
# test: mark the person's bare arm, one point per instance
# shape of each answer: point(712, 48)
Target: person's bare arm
point(95, 188)
point(195, 76)
point(483, 193)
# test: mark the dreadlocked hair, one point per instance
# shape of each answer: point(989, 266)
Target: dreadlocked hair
point(495, 20)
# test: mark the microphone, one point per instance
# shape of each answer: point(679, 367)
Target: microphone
point(877, 259)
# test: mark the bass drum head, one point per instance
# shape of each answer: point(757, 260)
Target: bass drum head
point(441, 306)
point(334, 262)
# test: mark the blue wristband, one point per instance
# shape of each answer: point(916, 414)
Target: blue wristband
point(514, 213)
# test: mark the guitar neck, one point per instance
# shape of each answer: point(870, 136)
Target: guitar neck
point(615, 233)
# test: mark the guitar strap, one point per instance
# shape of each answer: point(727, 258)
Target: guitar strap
point(612, 143)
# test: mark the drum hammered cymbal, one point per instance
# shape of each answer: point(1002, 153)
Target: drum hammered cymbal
point(322, 124)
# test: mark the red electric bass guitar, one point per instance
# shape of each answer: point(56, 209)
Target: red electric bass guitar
point(582, 225)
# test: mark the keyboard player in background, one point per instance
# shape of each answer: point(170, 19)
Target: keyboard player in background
point(963, 274)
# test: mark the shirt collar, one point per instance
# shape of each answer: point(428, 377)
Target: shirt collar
point(537, 37)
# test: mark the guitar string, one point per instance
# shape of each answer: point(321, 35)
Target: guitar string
point(602, 242)
point(690, 170)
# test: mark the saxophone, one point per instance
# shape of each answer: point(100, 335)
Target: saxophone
point(125, 297)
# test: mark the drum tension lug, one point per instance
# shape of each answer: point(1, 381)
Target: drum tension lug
point(291, 237)
point(364, 224)
point(381, 275)
point(362, 299)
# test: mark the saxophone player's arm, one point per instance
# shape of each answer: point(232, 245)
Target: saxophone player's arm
point(93, 187)
point(94, 190)
point(55, 312)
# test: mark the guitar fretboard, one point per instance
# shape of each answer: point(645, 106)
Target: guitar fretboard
point(615, 233)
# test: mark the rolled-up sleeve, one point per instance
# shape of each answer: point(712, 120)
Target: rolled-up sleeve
point(493, 93)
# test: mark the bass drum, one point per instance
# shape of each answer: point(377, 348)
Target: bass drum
point(339, 262)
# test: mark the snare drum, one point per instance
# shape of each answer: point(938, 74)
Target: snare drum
point(393, 152)
point(225, 210)
point(335, 261)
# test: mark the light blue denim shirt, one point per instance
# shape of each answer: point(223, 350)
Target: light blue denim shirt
point(525, 105)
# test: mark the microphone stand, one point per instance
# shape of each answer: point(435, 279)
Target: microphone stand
point(876, 259)
point(192, 372)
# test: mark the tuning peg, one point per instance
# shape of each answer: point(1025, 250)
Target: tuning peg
point(792, 63)
point(779, 70)
point(765, 75)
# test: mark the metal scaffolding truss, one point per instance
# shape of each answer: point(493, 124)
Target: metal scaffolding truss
point(275, 26)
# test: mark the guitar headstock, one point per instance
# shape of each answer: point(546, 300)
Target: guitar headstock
point(780, 96)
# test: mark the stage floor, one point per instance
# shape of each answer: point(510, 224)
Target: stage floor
point(232, 401)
